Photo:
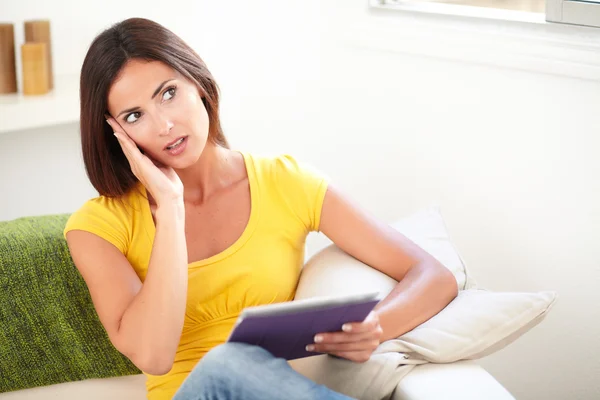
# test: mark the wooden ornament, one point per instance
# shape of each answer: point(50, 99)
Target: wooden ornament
point(8, 69)
point(35, 68)
point(38, 31)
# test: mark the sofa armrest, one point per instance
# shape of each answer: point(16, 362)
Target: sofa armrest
point(130, 387)
point(462, 380)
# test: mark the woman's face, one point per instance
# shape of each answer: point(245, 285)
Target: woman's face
point(161, 111)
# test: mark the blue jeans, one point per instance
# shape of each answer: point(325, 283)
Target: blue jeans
point(241, 371)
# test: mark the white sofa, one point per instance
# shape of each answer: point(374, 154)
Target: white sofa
point(463, 380)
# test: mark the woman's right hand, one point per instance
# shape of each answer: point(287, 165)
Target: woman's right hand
point(161, 181)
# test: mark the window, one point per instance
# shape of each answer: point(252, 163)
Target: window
point(574, 12)
point(517, 5)
point(577, 12)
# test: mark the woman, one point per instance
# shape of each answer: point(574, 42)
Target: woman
point(187, 232)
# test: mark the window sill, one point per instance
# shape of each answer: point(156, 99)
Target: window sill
point(461, 11)
point(521, 41)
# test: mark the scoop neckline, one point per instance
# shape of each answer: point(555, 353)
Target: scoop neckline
point(246, 233)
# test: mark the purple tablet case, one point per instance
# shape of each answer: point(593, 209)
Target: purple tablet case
point(287, 335)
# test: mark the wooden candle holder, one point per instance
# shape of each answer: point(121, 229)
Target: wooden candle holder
point(35, 68)
point(38, 31)
point(8, 69)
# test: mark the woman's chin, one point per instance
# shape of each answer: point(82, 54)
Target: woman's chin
point(185, 162)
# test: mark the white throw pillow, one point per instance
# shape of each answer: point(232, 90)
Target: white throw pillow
point(475, 324)
point(425, 228)
point(428, 230)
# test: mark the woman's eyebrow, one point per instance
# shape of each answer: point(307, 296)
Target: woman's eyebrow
point(157, 91)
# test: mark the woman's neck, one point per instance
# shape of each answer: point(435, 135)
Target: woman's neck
point(217, 168)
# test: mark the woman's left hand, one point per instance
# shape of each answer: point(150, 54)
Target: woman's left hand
point(356, 342)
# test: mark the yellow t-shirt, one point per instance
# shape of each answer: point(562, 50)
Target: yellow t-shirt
point(261, 267)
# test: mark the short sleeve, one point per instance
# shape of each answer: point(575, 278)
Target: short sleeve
point(104, 217)
point(304, 189)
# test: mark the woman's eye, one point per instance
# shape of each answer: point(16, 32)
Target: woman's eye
point(169, 94)
point(131, 118)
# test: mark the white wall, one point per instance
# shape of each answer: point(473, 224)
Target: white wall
point(509, 155)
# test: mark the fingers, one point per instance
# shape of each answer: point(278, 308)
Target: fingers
point(358, 337)
point(345, 337)
point(332, 342)
point(160, 180)
point(127, 145)
point(362, 345)
point(126, 149)
point(353, 332)
point(369, 324)
point(116, 127)
point(120, 134)
point(132, 152)
point(353, 347)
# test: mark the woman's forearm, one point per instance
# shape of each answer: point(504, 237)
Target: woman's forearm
point(426, 289)
point(154, 319)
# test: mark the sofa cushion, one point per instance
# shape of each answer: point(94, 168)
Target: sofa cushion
point(131, 387)
point(462, 380)
point(473, 325)
point(49, 330)
point(426, 228)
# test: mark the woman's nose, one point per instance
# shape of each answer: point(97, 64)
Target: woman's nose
point(164, 125)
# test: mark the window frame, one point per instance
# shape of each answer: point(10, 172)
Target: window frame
point(458, 10)
point(573, 12)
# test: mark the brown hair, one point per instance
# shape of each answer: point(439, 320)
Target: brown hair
point(135, 38)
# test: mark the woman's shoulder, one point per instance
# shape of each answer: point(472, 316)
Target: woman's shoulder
point(123, 206)
point(269, 161)
point(107, 216)
point(293, 185)
point(282, 167)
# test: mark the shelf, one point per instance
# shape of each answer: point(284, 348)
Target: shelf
point(59, 106)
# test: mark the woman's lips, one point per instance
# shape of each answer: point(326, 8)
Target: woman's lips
point(173, 142)
point(179, 146)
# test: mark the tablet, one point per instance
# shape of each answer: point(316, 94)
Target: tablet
point(284, 329)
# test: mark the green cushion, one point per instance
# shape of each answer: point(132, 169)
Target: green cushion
point(49, 330)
